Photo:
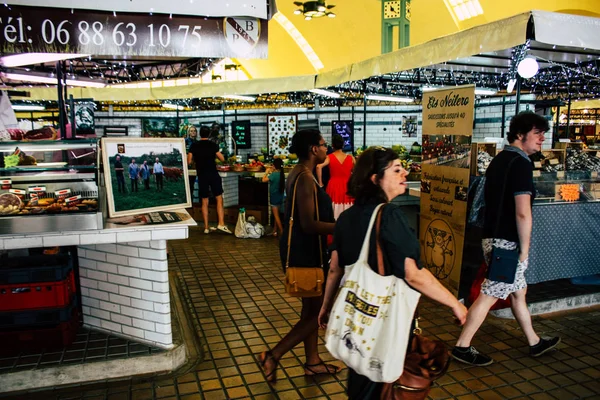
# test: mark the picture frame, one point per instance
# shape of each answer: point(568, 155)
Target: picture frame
point(170, 191)
point(280, 130)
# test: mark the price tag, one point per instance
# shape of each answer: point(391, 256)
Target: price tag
point(537, 174)
point(560, 174)
point(537, 164)
point(553, 161)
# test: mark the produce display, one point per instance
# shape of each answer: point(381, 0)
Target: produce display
point(578, 160)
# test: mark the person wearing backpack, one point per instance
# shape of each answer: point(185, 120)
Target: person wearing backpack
point(509, 194)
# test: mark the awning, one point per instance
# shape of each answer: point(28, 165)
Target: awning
point(554, 38)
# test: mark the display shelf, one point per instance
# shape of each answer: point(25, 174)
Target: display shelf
point(48, 145)
point(35, 168)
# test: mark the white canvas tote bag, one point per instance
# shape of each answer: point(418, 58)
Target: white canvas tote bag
point(369, 325)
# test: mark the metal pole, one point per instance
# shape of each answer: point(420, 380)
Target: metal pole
point(503, 117)
point(72, 114)
point(364, 114)
point(339, 104)
point(61, 101)
point(555, 132)
point(569, 115)
point(518, 100)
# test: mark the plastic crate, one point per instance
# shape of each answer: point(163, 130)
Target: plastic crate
point(26, 296)
point(34, 269)
point(19, 319)
point(48, 337)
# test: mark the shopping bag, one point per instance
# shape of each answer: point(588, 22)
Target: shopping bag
point(476, 289)
point(254, 230)
point(240, 226)
point(369, 325)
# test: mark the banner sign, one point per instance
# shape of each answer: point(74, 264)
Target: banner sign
point(208, 8)
point(58, 30)
point(241, 134)
point(346, 130)
point(447, 131)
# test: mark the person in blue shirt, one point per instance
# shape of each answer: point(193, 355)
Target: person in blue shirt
point(159, 173)
point(276, 178)
point(145, 174)
point(134, 172)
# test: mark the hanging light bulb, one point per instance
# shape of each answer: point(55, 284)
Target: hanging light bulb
point(528, 67)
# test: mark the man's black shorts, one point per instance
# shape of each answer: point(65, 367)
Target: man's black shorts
point(209, 182)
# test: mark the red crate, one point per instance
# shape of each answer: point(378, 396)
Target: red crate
point(25, 296)
point(48, 337)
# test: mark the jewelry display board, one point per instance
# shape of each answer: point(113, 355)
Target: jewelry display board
point(280, 129)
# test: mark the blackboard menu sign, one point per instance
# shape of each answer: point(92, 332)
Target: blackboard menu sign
point(346, 130)
point(241, 134)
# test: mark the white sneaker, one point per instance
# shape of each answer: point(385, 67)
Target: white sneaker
point(207, 231)
point(224, 229)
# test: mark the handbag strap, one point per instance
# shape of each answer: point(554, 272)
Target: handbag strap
point(289, 242)
point(380, 262)
point(364, 252)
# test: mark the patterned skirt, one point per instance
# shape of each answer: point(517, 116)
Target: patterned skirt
point(501, 290)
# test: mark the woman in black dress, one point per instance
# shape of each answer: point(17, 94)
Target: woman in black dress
point(378, 177)
point(307, 230)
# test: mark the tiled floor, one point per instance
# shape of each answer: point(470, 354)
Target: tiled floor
point(89, 346)
point(233, 287)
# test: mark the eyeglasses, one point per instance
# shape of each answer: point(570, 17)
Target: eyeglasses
point(324, 144)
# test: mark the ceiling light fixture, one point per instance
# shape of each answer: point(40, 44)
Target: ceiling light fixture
point(28, 107)
point(15, 76)
point(397, 99)
point(528, 67)
point(314, 9)
point(171, 106)
point(239, 97)
point(485, 91)
point(16, 60)
point(327, 93)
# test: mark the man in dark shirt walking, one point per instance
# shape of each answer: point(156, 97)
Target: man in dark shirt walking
point(509, 194)
point(203, 153)
point(119, 174)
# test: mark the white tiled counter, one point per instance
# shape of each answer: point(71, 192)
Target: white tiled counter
point(124, 276)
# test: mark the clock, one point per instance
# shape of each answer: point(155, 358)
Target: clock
point(391, 9)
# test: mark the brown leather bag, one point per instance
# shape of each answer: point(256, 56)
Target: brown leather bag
point(426, 360)
point(303, 281)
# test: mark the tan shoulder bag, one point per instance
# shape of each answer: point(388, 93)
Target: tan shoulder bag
point(303, 281)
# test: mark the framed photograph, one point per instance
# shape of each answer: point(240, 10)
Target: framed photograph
point(281, 128)
point(133, 178)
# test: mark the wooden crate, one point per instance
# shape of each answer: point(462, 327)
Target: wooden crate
point(489, 148)
point(565, 145)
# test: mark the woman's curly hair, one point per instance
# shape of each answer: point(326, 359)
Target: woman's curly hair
point(374, 160)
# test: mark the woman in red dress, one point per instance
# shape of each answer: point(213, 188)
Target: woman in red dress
point(340, 168)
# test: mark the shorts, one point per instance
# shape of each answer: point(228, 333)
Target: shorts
point(501, 290)
point(209, 182)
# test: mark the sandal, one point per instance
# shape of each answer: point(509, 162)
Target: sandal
point(263, 358)
point(330, 369)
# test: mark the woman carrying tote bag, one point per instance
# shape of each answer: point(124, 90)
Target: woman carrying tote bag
point(378, 177)
point(304, 248)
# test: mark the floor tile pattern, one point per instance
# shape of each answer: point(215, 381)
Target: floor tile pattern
point(233, 288)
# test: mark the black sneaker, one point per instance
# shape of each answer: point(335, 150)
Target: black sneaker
point(543, 346)
point(471, 356)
